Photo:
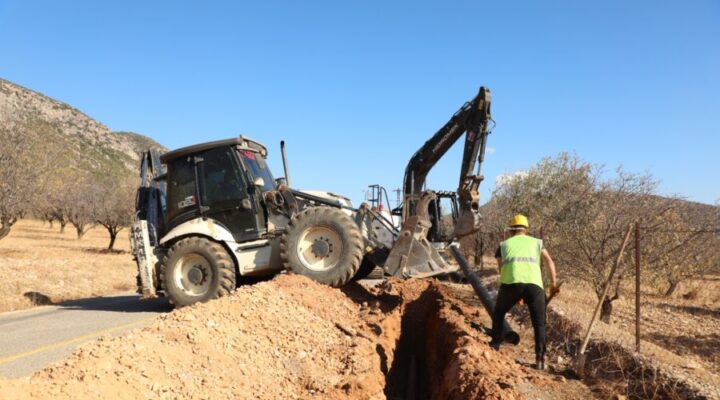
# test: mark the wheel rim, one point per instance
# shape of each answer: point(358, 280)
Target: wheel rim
point(193, 274)
point(320, 248)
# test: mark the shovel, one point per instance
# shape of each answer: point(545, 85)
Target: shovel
point(581, 356)
point(554, 292)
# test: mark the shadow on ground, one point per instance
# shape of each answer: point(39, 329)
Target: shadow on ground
point(126, 304)
point(700, 311)
point(37, 298)
point(699, 345)
point(95, 250)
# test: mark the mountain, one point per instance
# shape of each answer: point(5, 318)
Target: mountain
point(86, 143)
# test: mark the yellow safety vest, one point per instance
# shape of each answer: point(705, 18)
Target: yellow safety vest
point(521, 260)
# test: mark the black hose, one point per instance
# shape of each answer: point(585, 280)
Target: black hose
point(509, 335)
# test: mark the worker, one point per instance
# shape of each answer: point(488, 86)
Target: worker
point(521, 279)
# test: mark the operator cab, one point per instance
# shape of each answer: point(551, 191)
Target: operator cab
point(443, 213)
point(222, 180)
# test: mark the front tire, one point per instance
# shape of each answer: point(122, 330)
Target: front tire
point(324, 244)
point(197, 270)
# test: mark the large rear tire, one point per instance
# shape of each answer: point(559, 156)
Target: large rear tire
point(324, 244)
point(197, 270)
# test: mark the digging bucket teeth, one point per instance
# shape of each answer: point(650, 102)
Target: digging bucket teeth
point(412, 255)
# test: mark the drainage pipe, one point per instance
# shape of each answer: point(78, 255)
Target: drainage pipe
point(509, 335)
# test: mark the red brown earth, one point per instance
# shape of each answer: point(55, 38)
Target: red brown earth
point(292, 338)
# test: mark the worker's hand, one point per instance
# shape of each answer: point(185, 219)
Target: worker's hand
point(554, 289)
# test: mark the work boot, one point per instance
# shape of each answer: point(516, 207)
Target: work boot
point(540, 363)
point(495, 344)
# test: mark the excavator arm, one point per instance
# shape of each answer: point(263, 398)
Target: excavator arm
point(472, 119)
point(412, 254)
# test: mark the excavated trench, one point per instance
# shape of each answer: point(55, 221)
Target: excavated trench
point(409, 375)
point(425, 351)
point(429, 348)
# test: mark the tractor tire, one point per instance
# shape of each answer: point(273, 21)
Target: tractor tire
point(368, 270)
point(324, 244)
point(197, 270)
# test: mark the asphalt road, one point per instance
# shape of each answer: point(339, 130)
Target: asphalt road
point(32, 339)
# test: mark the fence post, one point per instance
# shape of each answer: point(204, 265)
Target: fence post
point(637, 286)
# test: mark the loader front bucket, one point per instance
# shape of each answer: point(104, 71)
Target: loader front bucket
point(412, 255)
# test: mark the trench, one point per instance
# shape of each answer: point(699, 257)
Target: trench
point(408, 377)
point(418, 344)
point(428, 349)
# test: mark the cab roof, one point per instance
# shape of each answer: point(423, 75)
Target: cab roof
point(241, 141)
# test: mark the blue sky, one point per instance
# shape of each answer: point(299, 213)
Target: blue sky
point(356, 87)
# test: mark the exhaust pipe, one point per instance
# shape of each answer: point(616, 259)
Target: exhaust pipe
point(285, 163)
point(509, 335)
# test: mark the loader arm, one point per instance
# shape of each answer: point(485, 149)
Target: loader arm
point(472, 120)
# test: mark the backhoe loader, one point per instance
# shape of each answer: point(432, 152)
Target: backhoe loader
point(211, 214)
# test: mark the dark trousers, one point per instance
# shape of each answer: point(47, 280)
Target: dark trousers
point(534, 297)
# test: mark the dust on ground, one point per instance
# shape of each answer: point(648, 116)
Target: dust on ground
point(41, 266)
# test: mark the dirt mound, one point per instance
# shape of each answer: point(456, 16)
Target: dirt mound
point(292, 338)
point(281, 339)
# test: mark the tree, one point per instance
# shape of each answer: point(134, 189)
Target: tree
point(583, 214)
point(114, 206)
point(690, 244)
point(76, 203)
point(25, 163)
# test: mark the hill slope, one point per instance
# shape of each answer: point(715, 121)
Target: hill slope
point(86, 143)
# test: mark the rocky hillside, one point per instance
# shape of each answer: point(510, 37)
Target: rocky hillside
point(86, 143)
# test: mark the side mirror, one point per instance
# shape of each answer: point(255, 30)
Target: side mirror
point(259, 181)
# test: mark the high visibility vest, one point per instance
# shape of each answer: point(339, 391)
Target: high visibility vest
point(521, 260)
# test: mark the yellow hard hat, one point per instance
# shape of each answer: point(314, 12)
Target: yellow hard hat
point(519, 220)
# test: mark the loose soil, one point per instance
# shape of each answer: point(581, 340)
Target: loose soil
point(42, 266)
point(267, 341)
point(292, 338)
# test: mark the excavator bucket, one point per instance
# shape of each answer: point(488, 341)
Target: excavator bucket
point(412, 255)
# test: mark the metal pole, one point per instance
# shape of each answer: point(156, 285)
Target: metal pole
point(285, 163)
point(637, 286)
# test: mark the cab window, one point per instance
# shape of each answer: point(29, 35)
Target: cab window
point(181, 187)
point(221, 184)
point(257, 168)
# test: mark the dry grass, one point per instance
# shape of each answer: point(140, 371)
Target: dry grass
point(680, 349)
point(39, 265)
point(665, 368)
